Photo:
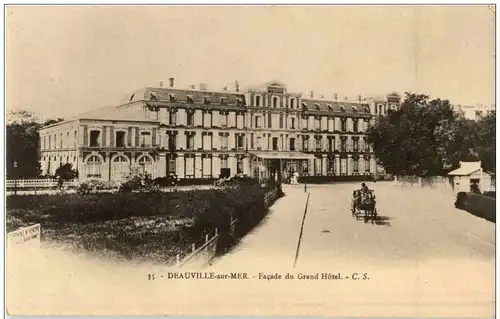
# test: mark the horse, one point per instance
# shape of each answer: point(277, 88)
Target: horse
point(364, 201)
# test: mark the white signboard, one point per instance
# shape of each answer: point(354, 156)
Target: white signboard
point(31, 233)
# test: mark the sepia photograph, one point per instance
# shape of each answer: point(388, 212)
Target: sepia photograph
point(250, 160)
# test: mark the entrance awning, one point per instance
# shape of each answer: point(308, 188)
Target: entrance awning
point(284, 155)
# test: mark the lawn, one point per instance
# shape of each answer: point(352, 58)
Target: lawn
point(139, 226)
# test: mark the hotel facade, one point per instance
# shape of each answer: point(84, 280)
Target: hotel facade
point(200, 134)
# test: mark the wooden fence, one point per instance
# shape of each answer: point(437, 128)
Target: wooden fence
point(37, 183)
point(205, 249)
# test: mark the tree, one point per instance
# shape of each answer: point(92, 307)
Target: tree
point(66, 172)
point(22, 144)
point(485, 146)
point(423, 138)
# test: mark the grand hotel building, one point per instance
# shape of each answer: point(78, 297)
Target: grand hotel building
point(196, 133)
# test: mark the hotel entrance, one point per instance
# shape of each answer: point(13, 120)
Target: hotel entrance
point(280, 165)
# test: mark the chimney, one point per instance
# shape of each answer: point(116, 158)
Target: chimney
point(225, 88)
point(359, 98)
point(312, 94)
point(171, 80)
point(161, 84)
point(237, 85)
point(203, 87)
point(335, 96)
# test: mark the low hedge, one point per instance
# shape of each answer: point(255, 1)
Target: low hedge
point(331, 179)
point(477, 204)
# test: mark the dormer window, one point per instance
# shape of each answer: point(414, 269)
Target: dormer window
point(342, 108)
point(223, 101)
point(304, 105)
point(153, 96)
point(189, 99)
point(316, 105)
point(239, 101)
point(171, 97)
point(206, 100)
point(354, 109)
point(330, 108)
point(367, 110)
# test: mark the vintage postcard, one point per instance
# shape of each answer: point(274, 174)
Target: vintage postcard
point(311, 160)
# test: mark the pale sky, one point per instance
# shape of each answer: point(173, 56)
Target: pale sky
point(62, 61)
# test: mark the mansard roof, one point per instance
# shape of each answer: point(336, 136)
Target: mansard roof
point(197, 96)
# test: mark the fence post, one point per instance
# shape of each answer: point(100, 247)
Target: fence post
point(206, 238)
point(216, 231)
point(178, 258)
point(194, 247)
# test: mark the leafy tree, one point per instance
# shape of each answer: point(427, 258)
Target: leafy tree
point(485, 146)
point(66, 172)
point(423, 138)
point(22, 144)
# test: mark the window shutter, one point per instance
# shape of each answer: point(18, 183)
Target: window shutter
point(153, 139)
point(129, 136)
point(85, 135)
point(137, 136)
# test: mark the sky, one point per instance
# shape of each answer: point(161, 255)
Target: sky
point(61, 61)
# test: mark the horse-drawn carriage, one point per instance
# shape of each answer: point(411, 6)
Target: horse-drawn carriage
point(363, 205)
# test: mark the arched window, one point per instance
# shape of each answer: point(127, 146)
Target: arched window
point(316, 105)
point(94, 167)
point(119, 168)
point(146, 165)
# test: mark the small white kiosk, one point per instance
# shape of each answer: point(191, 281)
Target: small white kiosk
point(470, 173)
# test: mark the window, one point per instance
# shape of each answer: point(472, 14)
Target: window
point(343, 146)
point(251, 141)
point(239, 166)
point(120, 139)
point(258, 142)
point(206, 100)
point(257, 121)
point(275, 143)
point(44, 143)
point(95, 138)
point(269, 120)
point(206, 168)
point(171, 97)
point(343, 125)
point(74, 139)
point(119, 168)
point(239, 142)
point(66, 142)
point(367, 165)
point(305, 123)
point(94, 167)
point(275, 102)
point(305, 143)
point(223, 101)
point(171, 166)
point(172, 118)
point(331, 166)
point(190, 142)
point(292, 103)
point(355, 125)
point(331, 144)
point(292, 144)
point(356, 145)
point(190, 118)
point(224, 119)
point(317, 166)
point(172, 142)
point(355, 166)
point(343, 166)
point(292, 123)
point(367, 146)
point(224, 143)
point(257, 100)
point(318, 144)
point(146, 165)
point(316, 105)
point(207, 119)
point(145, 140)
point(317, 124)
point(281, 120)
point(55, 141)
point(50, 142)
point(189, 99)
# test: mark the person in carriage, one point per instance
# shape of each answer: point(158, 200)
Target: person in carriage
point(363, 200)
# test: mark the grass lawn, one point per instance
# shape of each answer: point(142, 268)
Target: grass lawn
point(139, 226)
